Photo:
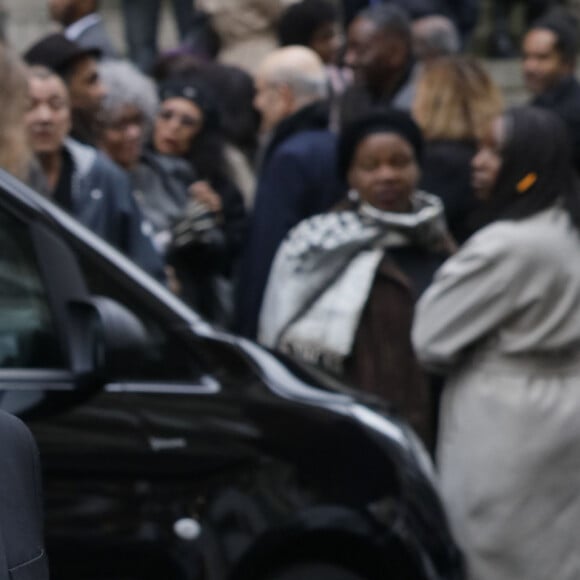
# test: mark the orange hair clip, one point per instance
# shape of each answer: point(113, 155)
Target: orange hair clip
point(526, 182)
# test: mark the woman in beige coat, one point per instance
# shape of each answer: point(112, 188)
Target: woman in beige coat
point(502, 318)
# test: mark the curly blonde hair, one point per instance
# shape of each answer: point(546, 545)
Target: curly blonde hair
point(456, 99)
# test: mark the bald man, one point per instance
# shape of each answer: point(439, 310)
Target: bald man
point(287, 80)
point(298, 176)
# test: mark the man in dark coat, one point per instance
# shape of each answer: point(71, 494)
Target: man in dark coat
point(464, 13)
point(298, 176)
point(379, 50)
point(21, 540)
point(549, 51)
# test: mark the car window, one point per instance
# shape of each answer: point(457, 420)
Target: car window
point(27, 334)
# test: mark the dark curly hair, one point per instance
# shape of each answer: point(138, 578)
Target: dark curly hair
point(207, 149)
point(300, 21)
point(565, 28)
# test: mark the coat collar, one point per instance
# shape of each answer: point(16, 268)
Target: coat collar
point(557, 93)
point(312, 117)
point(83, 156)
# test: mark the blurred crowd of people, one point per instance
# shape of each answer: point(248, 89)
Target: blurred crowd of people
point(343, 183)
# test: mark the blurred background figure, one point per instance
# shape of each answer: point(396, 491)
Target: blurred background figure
point(207, 238)
point(141, 19)
point(502, 320)
point(343, 285)
point(455, 103)
point(463, 13)
point(413, 8)
point(379, 50)
point(434, 36)
point(15, 153)
point(297, 174)
point(247, 28)
point(78, 67)
point(549, 52)
point(315, 24)
point(3, 20)
point(235, 92)
point(82, 24)
point(502, 42)
point(166, 182)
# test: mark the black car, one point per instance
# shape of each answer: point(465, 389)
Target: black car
point(174, 450)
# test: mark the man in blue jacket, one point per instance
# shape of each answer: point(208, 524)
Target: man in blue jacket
point(298, 176)
point(81, 179)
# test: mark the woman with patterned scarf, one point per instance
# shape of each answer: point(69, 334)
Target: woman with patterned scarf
point(343, 285)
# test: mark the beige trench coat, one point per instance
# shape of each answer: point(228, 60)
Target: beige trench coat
point(503, 318)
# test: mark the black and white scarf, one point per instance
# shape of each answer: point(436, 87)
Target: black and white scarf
point(323, 274)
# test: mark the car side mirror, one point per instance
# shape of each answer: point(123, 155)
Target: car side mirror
point(106, 340)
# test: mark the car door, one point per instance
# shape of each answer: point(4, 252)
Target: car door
point(87, 435)
point(133, 452)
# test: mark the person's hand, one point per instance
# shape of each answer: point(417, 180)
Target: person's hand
point(203, 192)
point(173, 282)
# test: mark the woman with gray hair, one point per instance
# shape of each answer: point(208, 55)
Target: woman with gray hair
point(129, 109)
point(197, 227)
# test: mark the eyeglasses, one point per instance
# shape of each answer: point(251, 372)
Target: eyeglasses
point(184, 120)
point(124, 124)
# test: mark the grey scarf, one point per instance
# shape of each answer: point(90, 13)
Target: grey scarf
point(324, 271)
